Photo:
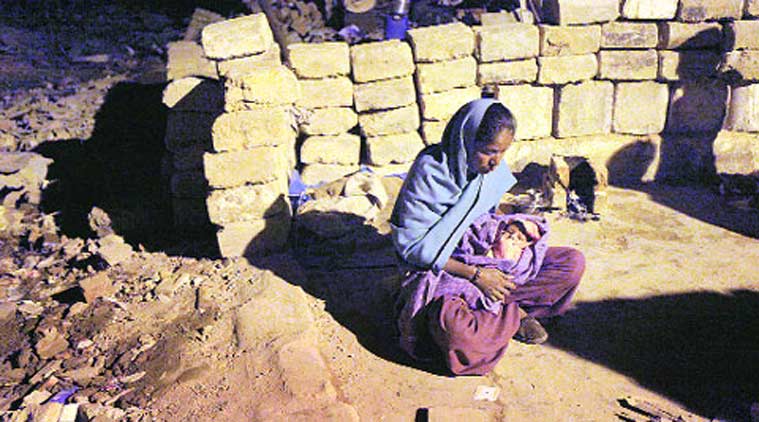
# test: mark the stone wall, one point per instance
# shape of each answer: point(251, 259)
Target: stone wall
point(624, 71)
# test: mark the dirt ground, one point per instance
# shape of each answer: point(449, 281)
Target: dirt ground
point(666, 311)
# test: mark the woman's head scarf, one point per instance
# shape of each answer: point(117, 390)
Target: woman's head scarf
point(440, 198)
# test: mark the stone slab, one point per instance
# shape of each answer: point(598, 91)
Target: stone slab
point(696, 106)
point(507, 42)
point(432, 132)
point(272, 85)
point(444, 76)
point(238, 37)
point(628, 65)
point(511, 72)
point(443, 105)
point(497, 18)
point(649, 9)
point(743, 110)
point(381, 60)
point(252, 238)
point(708, 10)
point(390, 122)
point(253, 128)
point(247, 203)
point(194, 94)
point(441, 42)
point(532, 107)
point(569, 40)
point(736, 153)
point(313, 174)
point(250, 64)
point(235, 168)
point(583, 109)
point(743, 64)
point(741, 35)
point(314, 61)
point(640, 108)
point(342, 149)
point(393, 149)
point(574, 12)
point(629, 35)
point(186, 58)
point(188, 129)
point(329, 121)
point(384, 95)
point(687, 64)
point(189, 184)
point(327, 92)
point(566, 69)
point(677, 35)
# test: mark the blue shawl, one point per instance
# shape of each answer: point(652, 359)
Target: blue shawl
point(438, 201)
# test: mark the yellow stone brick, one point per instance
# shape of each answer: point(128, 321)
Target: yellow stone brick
point(251, 238)
point(569, 40)
point(254, 128)
point(342, 149)
point(507, 42)
point(383, 95)
point(186, 58)
point(250, 64)
point(744, 63)
point(443, 105)
point(313, 61)
point(329, 121)
point(628, 65)
point(743, 111)
point(194, 94)
point(687, 64)
point(393, 149)
point(238, 37)
point(433, 131)
point(629, 35)
point(441, 42)
point(235, 168)
point(186, 129)
point(247, 202)
point(574, 12)
point(511, 72)
point(566, 69)
point(399, 120)
point(381, 60)
point(649, 9)
point(640, 108)
point(676, 35)
point(444, 76)
point(532, 107)
point(701, 10)
point(740, 35)
point(273, 85)
point(584, 109)
point(328, 92)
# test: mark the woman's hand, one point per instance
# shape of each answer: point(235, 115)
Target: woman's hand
point(494, 283)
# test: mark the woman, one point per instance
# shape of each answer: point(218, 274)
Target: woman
point(467, 308)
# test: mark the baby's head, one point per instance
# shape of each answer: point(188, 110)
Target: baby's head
point(517, 232)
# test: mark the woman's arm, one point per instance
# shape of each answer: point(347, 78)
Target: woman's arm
point(492, 282)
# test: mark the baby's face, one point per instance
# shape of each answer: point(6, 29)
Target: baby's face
point(516, 236)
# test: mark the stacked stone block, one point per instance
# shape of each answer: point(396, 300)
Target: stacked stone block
point(742, 64)
point(385, 99)
point(328, 150)
point(438, 52)
point(253, 141)
point(194, 97)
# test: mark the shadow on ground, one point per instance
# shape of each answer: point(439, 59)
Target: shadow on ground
point(118, 169)
point(699, 348)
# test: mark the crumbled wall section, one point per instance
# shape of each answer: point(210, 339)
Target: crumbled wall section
point(635, 68)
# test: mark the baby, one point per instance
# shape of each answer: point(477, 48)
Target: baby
point(516, 236)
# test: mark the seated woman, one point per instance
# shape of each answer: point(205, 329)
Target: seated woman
point(473, 279)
